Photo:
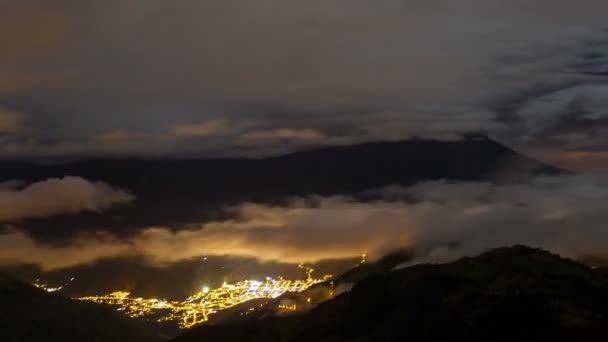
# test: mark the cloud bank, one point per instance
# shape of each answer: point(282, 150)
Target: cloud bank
point(439, 221)
point(57, 196)
point(216, 77)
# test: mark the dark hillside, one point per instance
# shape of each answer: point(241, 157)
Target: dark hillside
point(509, 294)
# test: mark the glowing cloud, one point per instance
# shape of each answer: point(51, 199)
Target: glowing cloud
point(11, 122)
point(56, 196)
point(439, 221)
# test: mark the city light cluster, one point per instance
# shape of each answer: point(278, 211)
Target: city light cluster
point(49, 288)
point(197, 308)
point(200, 306)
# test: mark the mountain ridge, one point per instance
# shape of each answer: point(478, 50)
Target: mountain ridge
point(507, 294)
point(31, 314)
point(513, 293)
point(180, 192)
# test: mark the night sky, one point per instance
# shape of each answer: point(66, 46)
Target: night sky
point(200, 78)
point(158, 79)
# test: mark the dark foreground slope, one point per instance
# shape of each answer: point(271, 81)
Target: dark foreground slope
point(175, 192)
point(509, 294)
point(29, 314)
point(310, 298)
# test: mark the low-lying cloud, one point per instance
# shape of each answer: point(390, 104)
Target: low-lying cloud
point(439, 221)
point(57, 196)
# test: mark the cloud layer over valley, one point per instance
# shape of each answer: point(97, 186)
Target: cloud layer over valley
point(437, 220)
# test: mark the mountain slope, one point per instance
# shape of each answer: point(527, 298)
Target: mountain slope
point(509, 294)
point(310, 298)
point(30, 314)
point(177, 192)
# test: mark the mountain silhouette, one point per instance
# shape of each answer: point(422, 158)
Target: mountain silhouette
point(31, 314)
point(180, 192)
point(507, 294)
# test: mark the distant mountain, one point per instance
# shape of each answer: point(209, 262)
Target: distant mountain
point(508, 294)
point(178, 192)
point(30, 314)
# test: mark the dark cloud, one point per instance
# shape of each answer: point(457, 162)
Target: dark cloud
point(161, 78)
point(11, 122)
